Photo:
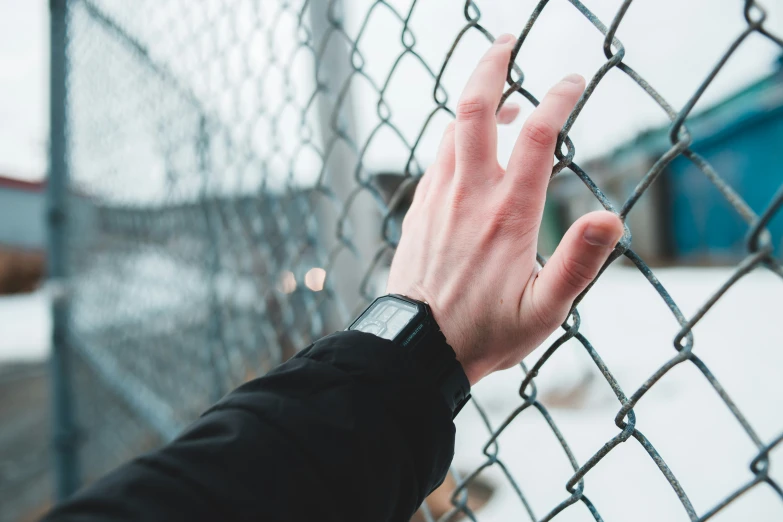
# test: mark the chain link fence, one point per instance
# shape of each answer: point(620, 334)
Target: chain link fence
point(223, 211)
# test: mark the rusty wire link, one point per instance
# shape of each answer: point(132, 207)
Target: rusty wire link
point(210, 178)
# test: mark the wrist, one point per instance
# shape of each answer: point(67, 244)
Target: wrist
point(474, 368)
point(410, 325)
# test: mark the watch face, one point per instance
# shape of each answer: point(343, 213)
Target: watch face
point(386, 318)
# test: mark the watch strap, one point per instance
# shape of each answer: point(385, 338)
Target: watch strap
point(436, 360)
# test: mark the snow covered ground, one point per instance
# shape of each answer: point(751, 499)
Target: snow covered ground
point(632, 330)
point(682, 415)
point(26, 327)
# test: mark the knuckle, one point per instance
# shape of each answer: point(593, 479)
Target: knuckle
point(459, 196)
point(576, 273)
point(502, 215)
point(540, 133)
point(509, 220)
point(546, 316)
point(472, 107)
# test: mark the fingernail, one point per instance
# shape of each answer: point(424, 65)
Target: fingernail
point(600, 236)
point(573, 78)
point(504, 39)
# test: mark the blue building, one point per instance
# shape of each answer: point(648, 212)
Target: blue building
point(22, 212)
point(22, 234)
point(683, 217)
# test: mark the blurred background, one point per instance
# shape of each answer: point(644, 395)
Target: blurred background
point(232, 176)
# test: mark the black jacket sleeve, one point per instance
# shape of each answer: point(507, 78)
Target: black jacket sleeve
point(347, 430)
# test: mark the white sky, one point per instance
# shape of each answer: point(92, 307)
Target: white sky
point(672, 43)
point(24, 78)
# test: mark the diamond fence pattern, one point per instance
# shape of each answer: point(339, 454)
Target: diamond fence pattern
point(222, 215)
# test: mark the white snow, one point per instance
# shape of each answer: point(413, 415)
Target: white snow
point(682, 415)
point(25, 327)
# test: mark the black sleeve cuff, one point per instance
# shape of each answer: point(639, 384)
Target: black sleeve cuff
point(369, 394)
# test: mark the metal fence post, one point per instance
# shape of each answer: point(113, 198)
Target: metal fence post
point(332, 72)
point(66, 466)
point(215, 343)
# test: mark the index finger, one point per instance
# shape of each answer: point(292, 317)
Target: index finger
point(476, 132)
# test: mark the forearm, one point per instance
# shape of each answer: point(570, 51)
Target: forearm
point(303, 442)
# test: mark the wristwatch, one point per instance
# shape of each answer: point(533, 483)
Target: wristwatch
point(410, 325)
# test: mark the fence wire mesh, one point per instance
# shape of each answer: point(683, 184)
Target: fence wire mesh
point(222, 213)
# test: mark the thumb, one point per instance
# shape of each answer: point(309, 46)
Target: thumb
point(576, 262)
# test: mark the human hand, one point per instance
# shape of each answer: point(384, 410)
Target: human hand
point(468, 245)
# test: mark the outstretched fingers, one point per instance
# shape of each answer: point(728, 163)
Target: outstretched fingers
point(476, 131)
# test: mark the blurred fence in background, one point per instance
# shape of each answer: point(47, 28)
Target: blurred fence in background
point(211, 211)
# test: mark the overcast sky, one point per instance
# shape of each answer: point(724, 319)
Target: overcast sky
point(672, 43)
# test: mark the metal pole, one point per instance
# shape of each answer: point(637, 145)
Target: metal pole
point(333, 70)
point(64, 441)
point(215, 340)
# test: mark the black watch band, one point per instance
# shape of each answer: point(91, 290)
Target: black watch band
point(437, 361)
point(411, 325)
